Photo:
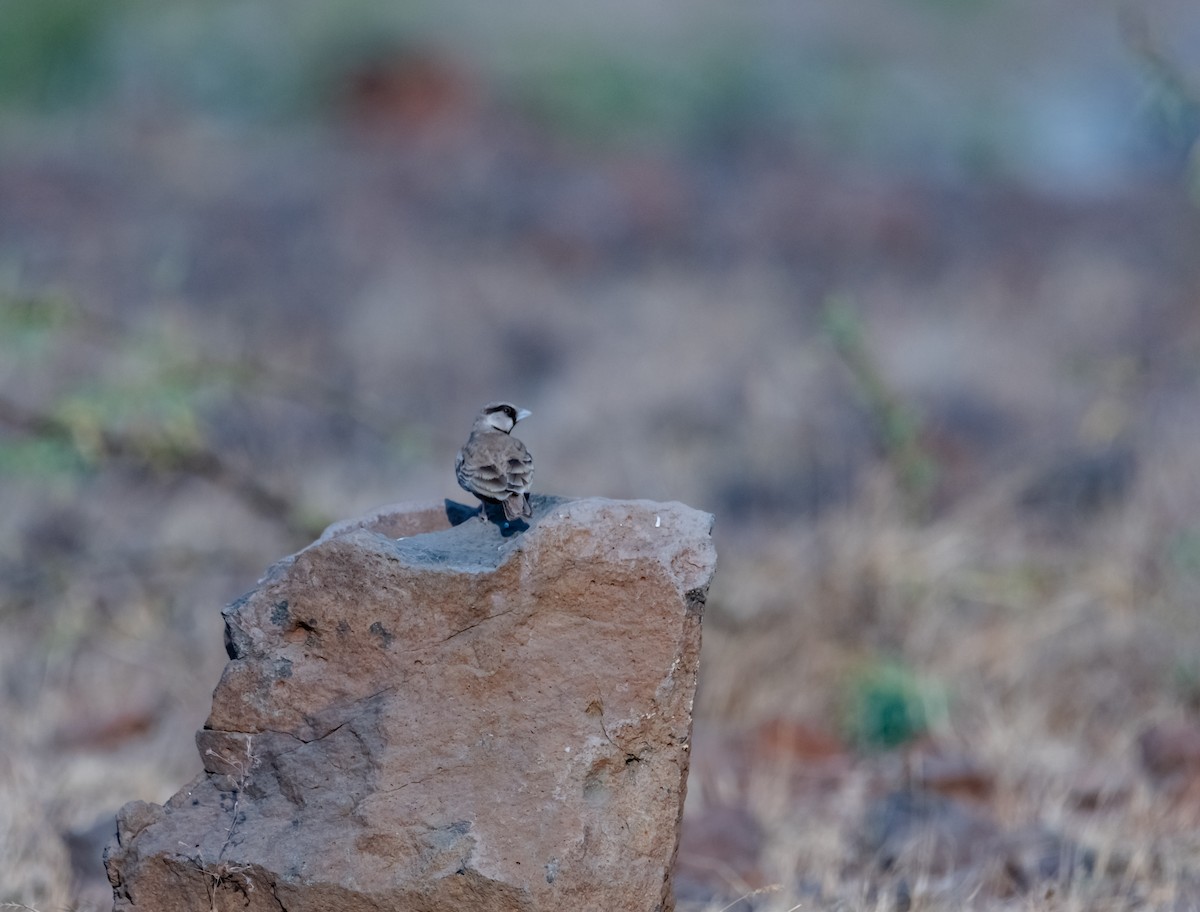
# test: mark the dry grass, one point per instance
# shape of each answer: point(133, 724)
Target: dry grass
point(1054, 651)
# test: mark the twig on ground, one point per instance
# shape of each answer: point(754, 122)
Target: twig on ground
point(161, 453)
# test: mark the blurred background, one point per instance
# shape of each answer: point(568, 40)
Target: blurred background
point(905, 292)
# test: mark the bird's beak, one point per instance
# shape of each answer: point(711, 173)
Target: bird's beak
point(522, 414)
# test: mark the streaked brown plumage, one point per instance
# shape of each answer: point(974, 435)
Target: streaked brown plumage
point(495, 466)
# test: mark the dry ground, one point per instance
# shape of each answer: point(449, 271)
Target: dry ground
point(949, 437)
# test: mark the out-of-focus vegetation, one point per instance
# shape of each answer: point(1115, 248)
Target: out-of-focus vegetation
point(885, 705)
point(143, 406)
point(54, 55)
point(897, 429)
point(697, 76)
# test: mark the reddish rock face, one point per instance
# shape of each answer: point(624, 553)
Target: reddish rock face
point(451, 720)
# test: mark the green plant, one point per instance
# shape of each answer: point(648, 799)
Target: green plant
point(884, 705)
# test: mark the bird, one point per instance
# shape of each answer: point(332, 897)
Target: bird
point(495, 466)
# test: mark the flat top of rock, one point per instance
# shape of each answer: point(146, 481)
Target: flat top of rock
point(451, 535)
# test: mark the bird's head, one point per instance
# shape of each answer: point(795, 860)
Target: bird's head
point(503, 416)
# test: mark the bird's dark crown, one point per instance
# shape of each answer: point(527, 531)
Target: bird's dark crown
point(506, 407)
point(501, 416)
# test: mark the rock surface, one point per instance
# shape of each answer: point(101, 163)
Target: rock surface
point(457, 719)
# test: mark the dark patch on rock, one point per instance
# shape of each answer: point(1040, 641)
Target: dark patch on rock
point(384, 635)
point(280, 614)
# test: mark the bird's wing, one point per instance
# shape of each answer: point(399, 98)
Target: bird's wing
point(494, 466)
point(519, 467)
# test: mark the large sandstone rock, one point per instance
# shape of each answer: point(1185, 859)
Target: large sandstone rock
point(458, 719)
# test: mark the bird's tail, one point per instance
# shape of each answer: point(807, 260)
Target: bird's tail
point(517, 505)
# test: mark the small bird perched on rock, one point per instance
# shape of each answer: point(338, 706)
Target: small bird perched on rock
point(495, 466)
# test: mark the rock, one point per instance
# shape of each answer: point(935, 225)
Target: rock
point(959, 851)
point(1080, 484)
point(1102, 786)
point(720, 855)
point(1170, 752)
point(85, 846)
point(923, 832)
point(452, 720)
point(1035, 854)
point(946, 771)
